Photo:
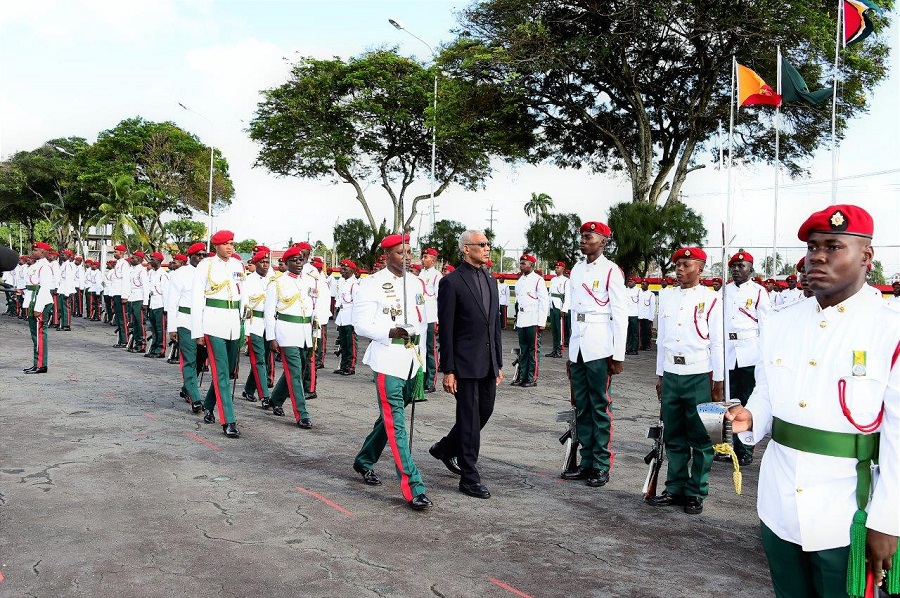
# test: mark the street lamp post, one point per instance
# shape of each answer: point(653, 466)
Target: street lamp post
point(211, 166)
point(400, 27)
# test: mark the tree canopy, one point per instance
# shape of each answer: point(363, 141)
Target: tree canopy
point(367, 122)
point(445, 239)
point(555, 238)
point(642, 86)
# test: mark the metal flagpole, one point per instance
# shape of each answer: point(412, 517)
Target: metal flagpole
point(726, 228)
point(837, 57)
point(777, 164)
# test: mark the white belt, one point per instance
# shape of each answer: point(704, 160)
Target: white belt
point(688, 359)
point(589, 318)
point(742, 334)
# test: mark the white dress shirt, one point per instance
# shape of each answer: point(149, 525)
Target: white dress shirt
point(689, 333)
point(598, 316)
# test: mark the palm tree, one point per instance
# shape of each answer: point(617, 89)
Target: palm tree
point(539, 205)
point(122, 208)
point(61, 220)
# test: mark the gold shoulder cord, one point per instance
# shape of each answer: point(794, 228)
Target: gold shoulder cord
point(215, 287)
point(285, 302)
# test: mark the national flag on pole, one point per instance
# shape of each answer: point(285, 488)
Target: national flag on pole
point(857, 20)
point(751, 89)
point(793, 88)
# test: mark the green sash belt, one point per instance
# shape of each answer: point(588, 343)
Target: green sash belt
point(558, 295)
point(223, 303)
point(185, 310)
point(402, 341)
point(33, 287)
point(292, 319)
point(257, 313)
point(863, 448)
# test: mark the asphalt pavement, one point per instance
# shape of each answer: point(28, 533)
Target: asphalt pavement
point(110, 486)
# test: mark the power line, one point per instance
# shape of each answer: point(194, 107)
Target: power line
point(802, 183)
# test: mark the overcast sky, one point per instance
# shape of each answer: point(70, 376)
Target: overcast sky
point(71, 67)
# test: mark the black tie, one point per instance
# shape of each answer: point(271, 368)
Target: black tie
point(483, 288)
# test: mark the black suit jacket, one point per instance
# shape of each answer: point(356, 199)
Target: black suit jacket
point(469, 337)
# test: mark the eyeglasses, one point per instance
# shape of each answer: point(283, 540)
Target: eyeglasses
point(482, 245)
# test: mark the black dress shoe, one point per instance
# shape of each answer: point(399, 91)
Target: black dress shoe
point(209, 417)
point(430, 389)
point(26, 370)
point(265, 403)
point(474, 490)
point(597, 478)
point(370, 478)
point(150, 355)
point(42, 370)
point(666, 500)
point(231, 430)
point(159, 356)
point(320, 365)
point(197, 407)
point(516, 383)
point(722, 458)
point(338, 371)
point(279, 411)
point(119, 346)
point(449, 462)
point(304, 423)
point(745, 459)
point(693, 505)
point(349, 372)
point(66, 328)
point(550, 354)
point(531, 384)
point(582, 473)
point(311, 395)
point(249, 396)
point(419, 502)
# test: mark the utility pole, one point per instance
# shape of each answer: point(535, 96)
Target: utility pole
point(491, 217)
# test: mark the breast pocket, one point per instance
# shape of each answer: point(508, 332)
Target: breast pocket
point(864, 394)
point(781, 371)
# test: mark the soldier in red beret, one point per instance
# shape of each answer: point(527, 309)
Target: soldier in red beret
point(559, 290)
point(828, 393)
point(118, 290)
point(255, 329)
point(136, 295)
point(432, 278)
point(179, 300)
point(324, 295)
point(158, 283)
point(347, 288)
point(688, 345)
point(532, 308)
point(38, 280)
point(634, 300)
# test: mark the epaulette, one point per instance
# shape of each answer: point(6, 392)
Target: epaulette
point(276, 275)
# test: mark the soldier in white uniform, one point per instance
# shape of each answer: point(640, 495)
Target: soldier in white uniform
point(81, 267)
point(646, 315)
point(431, 277)
point(559, 288)
point(37, 297)
point(503, 294)
point(321, 314)
point(828, 392)
point(322, 342)
point(792, 294)
point(894, 299)
point(532, 307)
point(21, 275)
point(634, 301)
point(599, 316)
point(118, 278)
point(53, 309)
point(158, 283)
point(136, 295)
point(178, 304)
point(218, 302)
point(66, 290)
point(396, 326)
point(346, 295)
point(255, 329)
point(746, 305)
point(688, 346)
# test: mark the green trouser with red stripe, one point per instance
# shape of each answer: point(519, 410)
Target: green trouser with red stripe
point(347, 343)
point(38, 337)
point(291, 382)
point(308, 367)
point(187, 359)
point(529, 353)
point(431, 357)
point(120, 318)
point(394, 394)
point(684, 434)
point(138, 332)
point(799, 574)
point(593, 411)
point(223, 355)
point(257, 379)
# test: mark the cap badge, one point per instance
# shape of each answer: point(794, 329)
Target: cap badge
point(687, 253)
point(740, 256)
point(837, 220)
point(593, 226)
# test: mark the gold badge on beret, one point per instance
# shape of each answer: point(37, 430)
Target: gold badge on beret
point(837, 219)
point(593, 226)
point(687, 253)
point(740, 256)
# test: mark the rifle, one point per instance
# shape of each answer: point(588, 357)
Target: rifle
point(654, 458)
point(570, 439)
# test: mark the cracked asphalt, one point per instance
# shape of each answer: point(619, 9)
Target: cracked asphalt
point(109, 486)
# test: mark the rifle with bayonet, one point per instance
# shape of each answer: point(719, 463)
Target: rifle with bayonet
point(654, 459)
point(570, 439)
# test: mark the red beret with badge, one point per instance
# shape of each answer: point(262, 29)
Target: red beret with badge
point(791, 277)
point(741, 256)
point(139, 254)
point(527, 257)
point(596, 227)
point(691, 253)
point(318, 260)
point(261, 254)
point(292, 251)
point(258, 248)
point(196, 248)
point(157, 256)
point(558, 264)
point(449, 268)
point(843, 219)
point(180, 257)
point(801, 265)
point(393, 240)
point(41, 245)
point(120, 247)
point(430, 251)
point(221, 237)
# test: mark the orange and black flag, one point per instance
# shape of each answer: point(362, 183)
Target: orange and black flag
point(752, 90)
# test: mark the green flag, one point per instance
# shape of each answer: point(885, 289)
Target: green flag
point(794, 89)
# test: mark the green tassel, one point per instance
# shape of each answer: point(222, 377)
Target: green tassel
point(419, 389)
point(856, 567)
point(892, 582)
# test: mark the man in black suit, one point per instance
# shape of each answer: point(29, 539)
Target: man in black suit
point(470, 358)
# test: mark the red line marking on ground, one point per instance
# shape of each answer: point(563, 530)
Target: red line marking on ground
point(151, 416)
point(203, 441)
point(318, 496)
point(1, 576)
point(109, 395)
point(508, 588)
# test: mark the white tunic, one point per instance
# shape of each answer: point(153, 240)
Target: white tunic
point(789, 296)
point(158, 284)
point(347, 291)
point(689, 333)
point(598, 315)
point(137, 286)
point(647, 305)
point(559, 288)
point(532, 301)
point(290, 295)
point(746, 306)
point(634, 301)
point(217, 279)
point(503, 292)
point(40, 274)
point(805, 498)
point(431, 277)
point(119, 278)
point(256, 304)
point(180, 295)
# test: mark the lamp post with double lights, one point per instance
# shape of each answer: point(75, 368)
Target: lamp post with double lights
point(399, 26)
point(211, 166)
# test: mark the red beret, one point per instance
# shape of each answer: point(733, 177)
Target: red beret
point(449, 268)
point(801, 264)
point(180, 257)
point(528, 258)
point(349, 264)
point(430, 251)
point(792, 277)
point(78, 257)
point(120, 247)
point(139, 254)
point(691, 253)
point(563, 264)
point(843, 219)
point(157, 256)
point(222, 236)
point(636, 279)
point(317, 259)
point(770, 280)
point(67, 252)
point(258, 248)
point(291, 252)
point(488, 263)
point(393, 240)
point(41, 245)
point(261, 254)
point(596, 227)
point(741, 256)
point(416, 266)
point(717, 279)
point(303, 245)
point(211, 254)
point(196, 248)
point(670, 280)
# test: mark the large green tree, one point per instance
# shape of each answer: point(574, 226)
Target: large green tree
point(354, 240)
point(641, 86)
point(184, 232)
point(648, 234)
point(555, 238)
point(445, 239)
point(124, 207)
point(367, 122)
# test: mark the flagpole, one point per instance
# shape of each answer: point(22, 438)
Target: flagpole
point(837, 57)
point(777, 162)
point(730, 151)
